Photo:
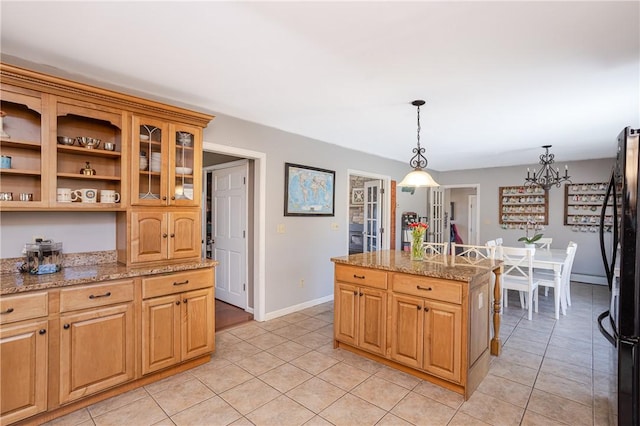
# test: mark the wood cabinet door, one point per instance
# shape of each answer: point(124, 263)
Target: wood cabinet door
point(149, 161)
point(160, 332)
point(96, 350)
point(23, 371)
point(443, 340)
point(184, 234)
point(372, 321)
point(346, 314)
point(407, 330)
point(198, 323)
point(149, 236)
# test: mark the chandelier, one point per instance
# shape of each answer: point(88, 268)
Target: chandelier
point(547, 176)
point(418, 177)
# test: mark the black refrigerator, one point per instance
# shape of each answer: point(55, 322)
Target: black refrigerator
point(621, 323)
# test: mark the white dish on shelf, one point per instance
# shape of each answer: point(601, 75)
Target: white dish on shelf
point(144, 138)
point(184, 170)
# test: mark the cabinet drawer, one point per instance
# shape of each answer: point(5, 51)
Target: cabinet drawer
point(22, 307)
point(176, 283)
point(361, 276)
point(431, 288)
point(96, 295)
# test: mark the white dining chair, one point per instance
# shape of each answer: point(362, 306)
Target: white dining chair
point(518, 275)
point(472, 251)
point(547, 278)
point(544, 243)
point(498, 241)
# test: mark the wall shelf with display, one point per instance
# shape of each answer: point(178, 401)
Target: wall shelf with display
point(583, 206)
point(519, 205)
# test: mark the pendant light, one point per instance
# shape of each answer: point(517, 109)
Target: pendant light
point(418, 177)
point(547, 176)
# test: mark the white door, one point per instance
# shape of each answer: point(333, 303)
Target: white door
point(473, 212)
point(229, 220)
point(372, 216)
point(435, 234)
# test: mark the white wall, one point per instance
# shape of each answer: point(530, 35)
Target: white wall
point(588, 261)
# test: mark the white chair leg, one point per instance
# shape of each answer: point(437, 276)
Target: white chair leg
point(556, 301)
point(523, 302)
point(536, 290)
point(505, 297)
point(568, 292)
point(530, 315)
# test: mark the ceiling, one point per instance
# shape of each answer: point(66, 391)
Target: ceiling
point(500, 78)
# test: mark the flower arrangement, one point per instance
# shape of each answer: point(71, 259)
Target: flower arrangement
point(531, 225)
point(418, 229)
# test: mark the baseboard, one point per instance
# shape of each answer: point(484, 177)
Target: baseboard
point(589, 279)
point(295, 308)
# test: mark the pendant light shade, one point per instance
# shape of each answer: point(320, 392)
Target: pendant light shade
point(418, 177)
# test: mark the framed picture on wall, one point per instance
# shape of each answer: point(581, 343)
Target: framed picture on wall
point(357, 196)
point(308, 191)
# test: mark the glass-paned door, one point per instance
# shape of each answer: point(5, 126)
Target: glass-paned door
point(372, 216)
point(436, 217)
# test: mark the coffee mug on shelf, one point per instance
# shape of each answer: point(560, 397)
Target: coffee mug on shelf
point(109, 196)
point(63, 195)
point(86, 195)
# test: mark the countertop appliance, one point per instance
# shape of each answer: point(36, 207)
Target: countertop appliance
point(621, 267)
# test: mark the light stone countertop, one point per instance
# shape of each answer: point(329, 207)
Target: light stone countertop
point(13, 283)
point(456, 268)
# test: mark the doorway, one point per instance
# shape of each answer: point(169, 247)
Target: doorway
point(461, 219)
point(215, 154)
point(369, 215)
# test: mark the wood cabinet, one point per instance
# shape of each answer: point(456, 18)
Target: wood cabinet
point(23, 356)
point(155, 235)
point(167, 163)
point(96, 338)
point(25, 127)
point(178, 324)
point(361, 310)
point(438, 328)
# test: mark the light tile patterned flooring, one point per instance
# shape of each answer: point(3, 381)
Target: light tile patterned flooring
point(286, 372)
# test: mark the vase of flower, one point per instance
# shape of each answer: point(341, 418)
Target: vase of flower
point(418, 230)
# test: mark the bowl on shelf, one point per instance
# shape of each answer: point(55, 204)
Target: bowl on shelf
point(88, 142)
point(184, 170)
point(65, 140)
point(144, 138)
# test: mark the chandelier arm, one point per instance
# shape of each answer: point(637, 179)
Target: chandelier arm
point(547, 176)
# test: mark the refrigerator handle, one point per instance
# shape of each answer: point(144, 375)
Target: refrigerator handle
point(604, 332)
point(609, 268)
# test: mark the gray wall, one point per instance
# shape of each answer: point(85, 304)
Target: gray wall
point(587, 261)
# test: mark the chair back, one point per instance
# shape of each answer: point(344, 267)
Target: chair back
point(471, 251)
point(498, 241)
point(431, 249)
point(568, 263)
point(518, 264)
point(544, 243)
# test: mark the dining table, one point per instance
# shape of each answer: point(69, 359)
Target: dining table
point(552, 260)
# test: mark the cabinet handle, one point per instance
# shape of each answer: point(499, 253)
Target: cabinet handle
point(8, 311)
point(173, 197)
point(93, 296)
point(355, 293)
point(423, 288)
point(360, 294)
point(426, 309)
point(177, 302)
point(164, 198)
point(360, 277)
point(418, 307)
point(172, 235)
point(66, 326)
point(181, 282)
point(43, 331)
point(164, 235)
point(185, 300)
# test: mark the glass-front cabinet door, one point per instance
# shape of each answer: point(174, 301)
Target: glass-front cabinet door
point(185, 165)
point(149, 162)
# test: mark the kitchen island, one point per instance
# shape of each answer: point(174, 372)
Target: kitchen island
point(94, 330)
point(428, 318)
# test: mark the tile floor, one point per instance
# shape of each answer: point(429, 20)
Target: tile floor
point(286, 372)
